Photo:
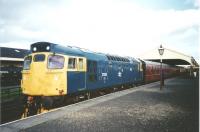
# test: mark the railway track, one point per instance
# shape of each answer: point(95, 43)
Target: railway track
point(11, 111)
point(11, 105)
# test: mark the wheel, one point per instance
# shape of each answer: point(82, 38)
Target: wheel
point(47, 103)
point(31, 107)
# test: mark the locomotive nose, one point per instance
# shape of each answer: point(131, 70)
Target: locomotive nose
point(34, 77)
point(44, 81)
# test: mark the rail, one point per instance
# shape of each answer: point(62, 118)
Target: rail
point(9, 93)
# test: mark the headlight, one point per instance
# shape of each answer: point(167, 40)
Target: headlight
point(34, 48)
point(48, 48)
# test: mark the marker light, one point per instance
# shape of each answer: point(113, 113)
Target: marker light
point(47, 48)
point(34, 49)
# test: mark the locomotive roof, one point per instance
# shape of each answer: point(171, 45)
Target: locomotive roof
point(76, 51)
point(67, 50)
point(134, 60)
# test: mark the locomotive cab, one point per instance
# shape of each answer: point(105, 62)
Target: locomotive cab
point(51, 71)
point(43, 74)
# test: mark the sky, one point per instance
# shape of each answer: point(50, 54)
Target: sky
point(119, 27)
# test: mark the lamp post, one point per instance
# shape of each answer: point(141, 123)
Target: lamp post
point(161, 51)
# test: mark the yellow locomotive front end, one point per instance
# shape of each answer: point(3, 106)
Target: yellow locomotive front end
point(49, 73)
point(44, 74)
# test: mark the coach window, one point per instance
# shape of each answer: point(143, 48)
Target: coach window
point(72, 63)
point(80, 63)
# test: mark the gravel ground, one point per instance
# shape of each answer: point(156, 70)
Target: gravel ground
point(174, 109)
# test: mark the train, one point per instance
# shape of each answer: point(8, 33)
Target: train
point(52, 72)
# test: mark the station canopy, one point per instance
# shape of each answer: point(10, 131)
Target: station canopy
point(12, 54)
point(170, 57)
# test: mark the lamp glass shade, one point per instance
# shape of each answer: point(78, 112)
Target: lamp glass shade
point(161, 50)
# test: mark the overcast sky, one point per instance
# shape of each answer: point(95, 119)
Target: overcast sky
point(123, 27)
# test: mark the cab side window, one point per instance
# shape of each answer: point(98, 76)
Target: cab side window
point(72, 63)
point(80, 64)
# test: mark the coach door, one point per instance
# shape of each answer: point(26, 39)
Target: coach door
point(76, 75)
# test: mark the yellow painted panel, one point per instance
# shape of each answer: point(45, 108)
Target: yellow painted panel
point(40, 80)
point(84, 64)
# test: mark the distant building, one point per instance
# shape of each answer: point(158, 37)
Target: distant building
point(11, 63)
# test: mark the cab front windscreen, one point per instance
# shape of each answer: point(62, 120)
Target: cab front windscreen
point(27, 62)
point(55, 62)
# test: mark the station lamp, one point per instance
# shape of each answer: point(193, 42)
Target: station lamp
point(161, 52)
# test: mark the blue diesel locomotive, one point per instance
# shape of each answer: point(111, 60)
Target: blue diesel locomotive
point(52, 71)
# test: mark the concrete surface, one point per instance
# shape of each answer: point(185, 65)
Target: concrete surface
point(140, 109)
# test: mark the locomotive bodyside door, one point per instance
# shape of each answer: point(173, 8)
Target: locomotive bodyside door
point(76, 74)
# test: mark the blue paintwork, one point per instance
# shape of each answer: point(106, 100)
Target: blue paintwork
point(113, 78)
point(75, 81)
point(66, 50)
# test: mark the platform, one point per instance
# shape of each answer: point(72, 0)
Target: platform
point(140, 109)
